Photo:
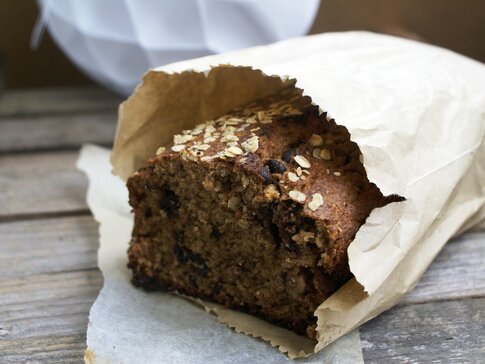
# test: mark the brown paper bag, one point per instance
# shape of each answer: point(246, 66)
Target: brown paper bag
point(417, 113)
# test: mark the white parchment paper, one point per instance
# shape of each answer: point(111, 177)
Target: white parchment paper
point(417, 113)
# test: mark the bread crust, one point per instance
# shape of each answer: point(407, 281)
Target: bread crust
point(254, 210)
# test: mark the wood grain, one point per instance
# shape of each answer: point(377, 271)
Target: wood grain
point(41, 183)
point(457, 272)
point(44, 349)
point(44, 317)
point(48, 246)
point(37, 102)
point(57, 131)
point(439, 332)
point(30, 304)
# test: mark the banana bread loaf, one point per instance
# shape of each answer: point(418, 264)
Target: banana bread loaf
point(254, 210)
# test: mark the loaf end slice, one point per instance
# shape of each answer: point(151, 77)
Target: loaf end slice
point(254, 210)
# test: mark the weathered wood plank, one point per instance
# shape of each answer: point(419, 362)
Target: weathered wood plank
point(35, 102)
point(457, 272)
point(48, 246)
point(47, 304)
point(39, 183)
point(47, 349)
point(439, 332)
point(57, 131)
point(44, 317)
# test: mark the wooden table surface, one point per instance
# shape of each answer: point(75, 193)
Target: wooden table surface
point(48, 244)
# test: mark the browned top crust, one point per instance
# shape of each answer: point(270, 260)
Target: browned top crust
point(283, 141)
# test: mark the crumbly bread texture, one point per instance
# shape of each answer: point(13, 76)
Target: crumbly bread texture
point(254, 210)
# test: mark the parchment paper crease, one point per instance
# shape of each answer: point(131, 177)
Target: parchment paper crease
point(417, 113)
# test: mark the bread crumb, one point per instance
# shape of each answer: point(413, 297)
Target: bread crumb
point(233, 202)
point(271, 193)
point(303, 237)
point(245, 180)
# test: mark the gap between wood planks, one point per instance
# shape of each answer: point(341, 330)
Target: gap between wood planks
point(43, 215)
point(56, 119)
point(55, 101)
point(59, 132)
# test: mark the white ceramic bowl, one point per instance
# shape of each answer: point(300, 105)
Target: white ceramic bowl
point(116, 41)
